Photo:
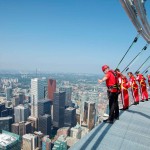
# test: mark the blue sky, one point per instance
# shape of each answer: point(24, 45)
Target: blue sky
point(65, 35)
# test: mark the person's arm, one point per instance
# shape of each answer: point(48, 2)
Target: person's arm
point(102, 80)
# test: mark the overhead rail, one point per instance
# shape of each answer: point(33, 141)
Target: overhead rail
point(134, 41)
point(142, 14)
point(131, 12)
point(127, 67)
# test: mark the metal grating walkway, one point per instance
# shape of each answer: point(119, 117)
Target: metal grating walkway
point(130, 132)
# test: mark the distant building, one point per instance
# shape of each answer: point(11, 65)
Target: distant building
point(60, 143)
point(45, 124)
point(70, 117)
point(21, 113)
point(58, 109)
point(15, 101)
point(68, 91)
point(7, 112)
point(37, 93)
point(44, 107)
point(10, 141)
point(76, 131)
point(89, 114)
point(46, 143)
point(39, 135)
point(2, 107)
point(5, 123)
point(21, 128)
point(63, 131)
point(21, 97)
point(29, 142)
point(34, 123)
point(8, 93)
point(51, 88)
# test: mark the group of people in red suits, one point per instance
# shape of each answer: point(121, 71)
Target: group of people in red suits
point(137, 84)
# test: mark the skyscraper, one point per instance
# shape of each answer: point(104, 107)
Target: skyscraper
point(37, 93)
point(8, 93)
point(21, 128)
point(43, 107)
point(89, 114)
point(34, 123)
point(21, 113)
point(5, 123)
point(51, 88)
point(45, 124)
point(29, 142)
point(68, 91)
point(70, 117)
point(58, 109)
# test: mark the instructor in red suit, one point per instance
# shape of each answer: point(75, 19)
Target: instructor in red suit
point(111, 83)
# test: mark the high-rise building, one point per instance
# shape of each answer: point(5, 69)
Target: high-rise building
point(51, 88)
point(34, 123)
point(37, 93)
point(76, 131)
point(70, 117)
point(60, 143)
point(10, 141)
point(15, 101)
point(21, 97)
point(43, 107)
point(2, 107)
point(7, 112)
point(29, 142)
point(5, 123)
point(45, 124)
point(21, 113)
point(46, 143)
point(40, 135)
point(58, 109)
point(89, 114)
point(21, 128)
point(8, 93)
point(68, 91)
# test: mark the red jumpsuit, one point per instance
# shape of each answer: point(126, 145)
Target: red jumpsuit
point(143, 88)
point(124, 92)
point(148, 76)
point(134, 89)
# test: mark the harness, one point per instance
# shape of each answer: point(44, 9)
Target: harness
point(116, 85)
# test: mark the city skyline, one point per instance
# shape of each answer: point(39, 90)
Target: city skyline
point(66, 36)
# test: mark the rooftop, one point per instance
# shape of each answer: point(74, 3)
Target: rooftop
point(6, 139)
point(131, 131)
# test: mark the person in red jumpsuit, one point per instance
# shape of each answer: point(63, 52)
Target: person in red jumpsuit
point(134, 88)
point(111, 83)
point(148, 77)
point(123, 82)
point(124, 92)
point(143, 88)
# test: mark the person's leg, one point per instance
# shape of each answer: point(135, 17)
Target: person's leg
point(116, 106)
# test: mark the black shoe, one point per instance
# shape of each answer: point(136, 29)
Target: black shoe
point(146, 99)
point(117, 118)
point(135, 103)
point(142, 101)
point(108, 121)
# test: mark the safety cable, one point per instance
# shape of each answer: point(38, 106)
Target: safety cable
point(146, 70)
point(134, 41)
point(127, 67)
point(143, 64)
